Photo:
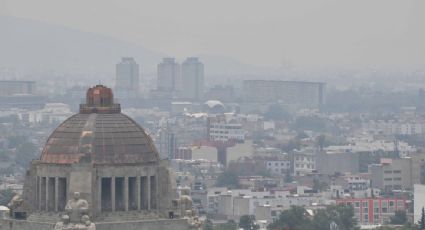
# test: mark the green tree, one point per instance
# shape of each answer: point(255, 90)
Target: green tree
point(399, 218)
point(321, 141)
point(8, 171)
point(288, 177)
point(295, 219)
point(291, 145)
point(320, 221)
point(407, 226)
point(310, 123)
point(208, 225)
point(15, 141)
point(265, 173)
point(25, 153)
point(6, 196)
point(247, 222)
point(319, 185)
point(230, 225)
point(301, 135)
point(410, 226)
point(277, 113)
point(4, 156)
point(228, 179)
point(342, 215)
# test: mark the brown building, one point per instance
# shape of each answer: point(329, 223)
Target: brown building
point(111, 162)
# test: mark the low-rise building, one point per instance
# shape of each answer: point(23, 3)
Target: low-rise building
point(395, 174)
point(219, 129)
point(304, 161)
point(281, 167)
point(374, 211)
point(338, 162)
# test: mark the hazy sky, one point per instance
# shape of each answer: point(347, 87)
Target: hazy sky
point(306, 34)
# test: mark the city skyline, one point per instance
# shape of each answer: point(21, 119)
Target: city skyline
point(291, 34)
point(212, 115)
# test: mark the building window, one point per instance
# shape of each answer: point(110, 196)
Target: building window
point(376, 204)
point(384, 204)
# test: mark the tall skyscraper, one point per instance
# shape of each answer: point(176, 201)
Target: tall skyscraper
point(169, 75)
point(127, 77)
point(192, 79)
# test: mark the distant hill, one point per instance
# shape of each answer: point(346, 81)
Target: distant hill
point(36, 46)
point(32, 45)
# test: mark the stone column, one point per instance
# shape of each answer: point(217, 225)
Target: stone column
point(113, 193)
point(138, 193)
point(126, 193)
point(148, 190)
point(99, 194)
point(154, 192)
point(56, 194)
point(47, 193)
point(39, 192)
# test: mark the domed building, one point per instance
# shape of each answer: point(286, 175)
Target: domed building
point(214, 107)
point(111, 162)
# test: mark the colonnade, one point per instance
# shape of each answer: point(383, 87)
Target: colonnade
point(113, 193)
point(127, 193)
point(51, 193)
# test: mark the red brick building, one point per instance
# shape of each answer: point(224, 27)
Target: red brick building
point(370, 211)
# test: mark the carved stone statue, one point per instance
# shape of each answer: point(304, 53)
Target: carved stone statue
point(85, 224)
point(67, 224)
point(76, 208)
point(64, 224)
point(194, 222)
point(186, 209)
point(186, 202)
point(16, 202)
point(17, 207)
point(77, 203)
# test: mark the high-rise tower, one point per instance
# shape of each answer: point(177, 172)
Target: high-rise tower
point(127, 77)
point(169, 75)
point(192, 79)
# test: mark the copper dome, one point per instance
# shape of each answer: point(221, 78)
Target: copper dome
point(99, 134)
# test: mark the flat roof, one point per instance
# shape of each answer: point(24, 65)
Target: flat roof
point(15, 81)
point(281, 81)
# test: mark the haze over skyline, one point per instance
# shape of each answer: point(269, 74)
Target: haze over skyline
point(325, 34)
